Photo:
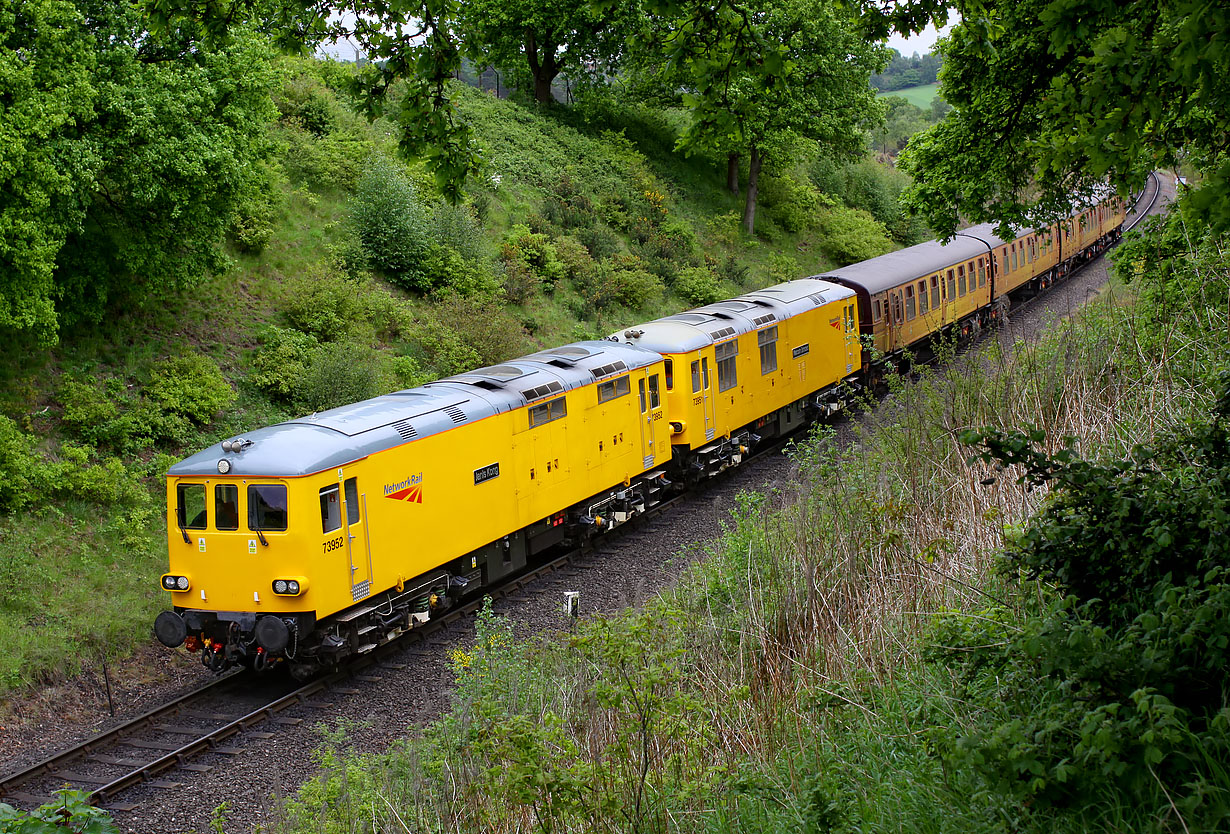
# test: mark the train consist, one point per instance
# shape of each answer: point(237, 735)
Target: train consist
point(323, 537)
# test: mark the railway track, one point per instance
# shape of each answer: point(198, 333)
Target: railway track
point(240, 708)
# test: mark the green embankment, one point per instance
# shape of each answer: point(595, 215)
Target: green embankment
point(920, 97)
point(350, 277)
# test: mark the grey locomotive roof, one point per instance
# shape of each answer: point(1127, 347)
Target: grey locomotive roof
point(895, 268)
point(342, 435)
point(712, 323)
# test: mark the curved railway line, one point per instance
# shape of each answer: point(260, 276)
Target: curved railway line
point(151, 748)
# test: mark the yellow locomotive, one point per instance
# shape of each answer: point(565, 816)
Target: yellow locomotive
point(325, 536)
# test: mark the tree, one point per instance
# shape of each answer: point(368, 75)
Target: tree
point(545, 37)
point(123, 156)
point(758, 71)
point(1055, 97)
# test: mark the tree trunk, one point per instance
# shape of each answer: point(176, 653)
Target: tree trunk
point(753, 186)
point(544, 69)
point(732, 173)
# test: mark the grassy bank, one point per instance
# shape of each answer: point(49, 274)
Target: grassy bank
point(815, 672)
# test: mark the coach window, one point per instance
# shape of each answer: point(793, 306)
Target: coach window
point(875, 311)
point(226, 507)
point(935, 292)
point(922, 296)
point(725, 354)
point(767, 339)
point(961, 281)
point(909, 302)
point(655, 400)
point(266, 507)
point(696, 377)
point(952, 286)
point(982, 273)
point(330, 509)
point(548, 411)
point(670, 375)
point(896, 297)
point(613, 388)
point(190, 506)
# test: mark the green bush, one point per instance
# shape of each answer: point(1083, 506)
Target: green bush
point(281, 360)
point(792, 204)
point(90, 408)
point(458, 229)
point(338, 374)
point(460, 334)
point(392, 223)
point(699, 286)
point(1118, 688)
point(190, 385)
point(323, 306)
point(852, 235)
point(69, 813)
point(448, 270)
point(18, 464)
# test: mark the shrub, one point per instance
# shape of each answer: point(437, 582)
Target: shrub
point(323, 306)
point(281, 361)
point(851, 235)
point(536, 253)
point(18, 463)
point(457, 228)
point(392, 223)
point(599, 240)
point(447, 270)
point(1118, 688)
point(792, 204)
point(460, 334)
point(338, 374)
point(699, 286)
point(191, 386)
point(89, 408)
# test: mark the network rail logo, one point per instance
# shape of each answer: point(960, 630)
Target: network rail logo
point(410, 490)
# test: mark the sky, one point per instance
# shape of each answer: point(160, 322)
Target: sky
point(920, 43)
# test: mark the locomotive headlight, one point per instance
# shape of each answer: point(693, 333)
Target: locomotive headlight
point(224, 466)
point(290, 587)
point(168, 582)
point(171, 582)
point(182, 583)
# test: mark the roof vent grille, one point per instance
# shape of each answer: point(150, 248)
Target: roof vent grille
point(541, 391)
point(723, 333)
point(456, 413)
point(406, 430)
point(817, 298)
point(759, 320)
point(606, 370)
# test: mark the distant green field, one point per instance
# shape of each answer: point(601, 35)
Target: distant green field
point(917, 96)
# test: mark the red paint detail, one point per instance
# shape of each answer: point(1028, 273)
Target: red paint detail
point(400, 494)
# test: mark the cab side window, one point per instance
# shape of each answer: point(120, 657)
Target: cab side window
point(190, 506)
point(330, 509)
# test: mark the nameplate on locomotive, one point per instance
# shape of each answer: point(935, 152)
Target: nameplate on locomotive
point(801, 350)
point(486, 473)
